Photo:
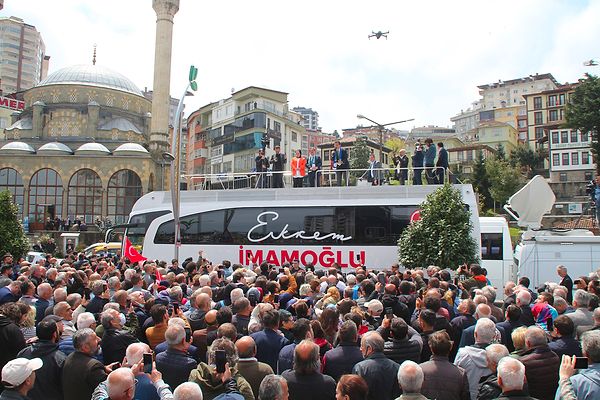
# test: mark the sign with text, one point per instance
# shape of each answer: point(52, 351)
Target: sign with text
point(12, 104)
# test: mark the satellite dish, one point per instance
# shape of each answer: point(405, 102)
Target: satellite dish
point(531, 202)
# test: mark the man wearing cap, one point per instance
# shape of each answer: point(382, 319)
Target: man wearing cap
point(48, 383)
point(18, 377)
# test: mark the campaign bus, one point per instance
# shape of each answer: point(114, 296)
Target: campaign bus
point(349, 226)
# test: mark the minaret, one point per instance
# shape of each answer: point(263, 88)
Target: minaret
point(165, 11)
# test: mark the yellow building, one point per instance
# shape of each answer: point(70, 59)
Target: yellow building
point(495, 133)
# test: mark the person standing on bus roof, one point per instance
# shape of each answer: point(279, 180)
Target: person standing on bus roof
point(262, 165)
point(417, 164)
point(341, 163)
point(441, 164)
point(374, 174)
point(314, 166)
point(278, 162)
point(430, 154)
point(298, 165)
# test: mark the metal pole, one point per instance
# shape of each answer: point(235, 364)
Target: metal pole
point(381, 145)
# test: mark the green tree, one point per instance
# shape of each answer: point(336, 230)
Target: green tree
point(395, 144)
point(481, 182)
point(360, 157)
point(583, 112)
point(528, 160)
point(505, 179)
point(442, 236)
point(12, 236)
point(500, 152)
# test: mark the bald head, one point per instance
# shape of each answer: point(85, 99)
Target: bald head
point(390, 288)
point(135, 353)
point(203, 302)
point(306, 358)
point(44, 291)
point(121, 384)
point(211, 317)
point(246, 347)
point(187, 391)
point(483, 311)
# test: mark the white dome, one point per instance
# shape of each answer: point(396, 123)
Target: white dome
point(92, 148)
point(130, 148)
point(17, 147)
point(93, 75)
point(55, 147)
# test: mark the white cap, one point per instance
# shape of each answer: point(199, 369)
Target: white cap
point(374, 305)
point(16, 371)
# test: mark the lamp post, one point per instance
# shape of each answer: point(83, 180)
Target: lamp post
point(174, 158)
point(380, 127)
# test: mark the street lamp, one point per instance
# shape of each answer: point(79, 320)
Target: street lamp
point(174, 158)
point(381, 127)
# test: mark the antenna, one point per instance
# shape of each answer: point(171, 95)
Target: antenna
point(94, 57)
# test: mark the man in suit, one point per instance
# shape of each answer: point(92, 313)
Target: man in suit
point(374, 174)
point(441, 164)
point(340, 163)
point(401, 163)
point(278, 161)
point(417, 164)
point(268, 341)
point(262, 165)
point(314, 165)
point(565, 281)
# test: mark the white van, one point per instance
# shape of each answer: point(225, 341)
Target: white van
point(541, 251)
point(496, 250)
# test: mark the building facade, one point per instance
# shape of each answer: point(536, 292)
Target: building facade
point(570, 156)
point(463, 158)
point(310, 118)
point(23, 59)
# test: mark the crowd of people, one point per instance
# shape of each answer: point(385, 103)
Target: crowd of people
point(103, 328)
point(426, 159)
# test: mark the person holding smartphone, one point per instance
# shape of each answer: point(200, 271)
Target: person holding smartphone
point(175, 363)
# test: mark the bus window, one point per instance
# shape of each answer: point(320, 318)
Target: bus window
point(142, 221)
point(491, 246)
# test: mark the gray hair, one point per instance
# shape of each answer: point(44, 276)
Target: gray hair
point(596, 315)
point(490, 293)
point(271, 388)
point(485, 330)
point(135, 353)
point(582, 298)
point(495, 352)
point(107, 317)
point(174, 334)
point(590, 344)
point(311, 364)
point(351, 280)
point(81, 337)
point(129, 273)
point(304, 289)
point(228, 347)
point(524, 297)
point(176, 321)
point(85, 320)
point(535, 336)
point(119, 381)
point(559, 302)
point(512, 373)
point(204, 280)
point(187, 391)
point(561, 268)
point(410, 377)
point(235, 294)
point(374, 341)
point(98, 287)
point(175, 293)
point(113, 282)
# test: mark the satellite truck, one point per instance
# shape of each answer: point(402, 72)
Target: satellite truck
point(540, 251)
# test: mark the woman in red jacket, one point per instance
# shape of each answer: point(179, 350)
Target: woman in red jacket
point(298, 168)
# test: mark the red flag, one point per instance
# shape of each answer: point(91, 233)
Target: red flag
point(132, 253)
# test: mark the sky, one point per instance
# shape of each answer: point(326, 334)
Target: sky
point(436, 54)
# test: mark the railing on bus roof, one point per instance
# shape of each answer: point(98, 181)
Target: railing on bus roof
point(323, 178)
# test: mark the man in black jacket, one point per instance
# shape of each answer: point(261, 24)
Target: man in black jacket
point(565, 281)
point(278, 162)
point(305, 381)
point(512, 321)
point(115, 340)
point(48, 379)
point(402, 342)
point(340, 163)
point(488, 385)
point(11, 337)
point(441, 164)
point(346, 355)
point(379, 371)
point(100, 291)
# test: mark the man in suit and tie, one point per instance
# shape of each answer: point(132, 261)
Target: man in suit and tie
point(340, 163)
point(374, 174)
point(441, 164)
point(314, 165)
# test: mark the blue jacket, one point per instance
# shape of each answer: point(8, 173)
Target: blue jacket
point(381, 375)
point(417, 159)
point(566, 345)
point(286, 357)
point(175, 366)
point(430, 156)
point(341, 360)
point(268, 345)
point(586, 384)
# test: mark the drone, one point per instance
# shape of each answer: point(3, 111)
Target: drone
point(590, 63)
point(378, 35)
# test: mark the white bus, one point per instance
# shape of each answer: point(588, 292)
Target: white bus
point(350, 226)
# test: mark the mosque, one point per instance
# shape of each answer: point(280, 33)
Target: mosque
point(88, 143)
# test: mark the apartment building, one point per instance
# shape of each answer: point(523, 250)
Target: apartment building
point(310, 118)
point(570, 156)
point(23, 59)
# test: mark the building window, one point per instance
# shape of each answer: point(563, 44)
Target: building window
point(565, 158)
point(574, 137)
point(85, 196)
point(469, 155)
point(276, 126)
point(556, 160)
point(561, 99)
point(564, 136)
point(585, 158)
point(588, 175)
point(585, 137)
point(563, 177)
point(539, 133)
point(537, 103)
point(553, 115)
point(12, 181)
point(45, 196)
point(552, 100)
point(538, 119)
point(554, 137)
point(294, 137)
point(575, 158)
point(124, 189)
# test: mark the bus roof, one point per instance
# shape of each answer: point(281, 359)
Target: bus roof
point(356, 195)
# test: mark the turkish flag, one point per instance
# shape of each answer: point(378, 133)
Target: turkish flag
point(415, 216)
point(132, 253)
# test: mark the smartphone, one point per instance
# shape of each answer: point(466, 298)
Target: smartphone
point(175, 308)
point(147, 363)
point(188, 334)
point(276, 298)
point(220, 360)
point(389, 312)
point(116, 366)
point(581, 362)
point(281, 270)
point(381, 278)
point(104, 287)
point(87, 293)
point(128, 303)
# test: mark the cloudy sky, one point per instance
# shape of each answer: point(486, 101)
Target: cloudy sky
point(318, 51)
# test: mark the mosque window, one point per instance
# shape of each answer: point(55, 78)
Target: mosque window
point(11, 180)
point(124, 189)
point(85, 196)
point(45, 196)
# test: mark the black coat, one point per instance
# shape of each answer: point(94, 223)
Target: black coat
point(114, 344)
point(309, 387)
point(11, 340)
point(343, 159)
point(381, 375)
point(48, 379)
point(81, 375)
point(279, 162)
point(341, 360)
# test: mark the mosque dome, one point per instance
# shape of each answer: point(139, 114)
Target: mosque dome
point(92, 148)
point(17, 148)
point(55, 148)
point(92, 75)
point(130, 149)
